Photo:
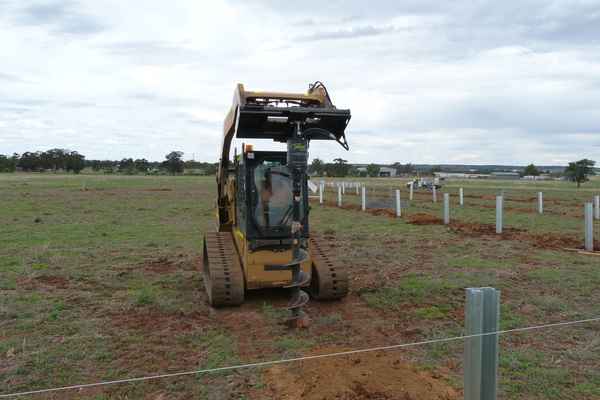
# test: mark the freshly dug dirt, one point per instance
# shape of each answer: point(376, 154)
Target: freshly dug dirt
point(423, 219)
point(378, 376)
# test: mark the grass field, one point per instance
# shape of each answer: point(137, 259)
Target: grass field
point(99, 280)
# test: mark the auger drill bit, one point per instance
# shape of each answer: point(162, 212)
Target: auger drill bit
point(297, 158)
point(299, 297)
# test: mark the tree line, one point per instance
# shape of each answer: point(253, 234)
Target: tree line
point(63, 160)
point(73, 161)
point(50, 160)
point(577, 171)
point(340, 168)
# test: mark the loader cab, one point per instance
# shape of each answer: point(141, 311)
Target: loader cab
point(265, 199)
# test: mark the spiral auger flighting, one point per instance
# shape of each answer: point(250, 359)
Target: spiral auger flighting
point(299, 297)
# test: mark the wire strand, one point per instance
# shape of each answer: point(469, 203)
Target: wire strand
point(298, 359)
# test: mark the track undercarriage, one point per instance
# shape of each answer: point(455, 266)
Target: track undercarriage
point(224, 280)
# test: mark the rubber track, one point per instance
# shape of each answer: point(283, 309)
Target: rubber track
point(331, 280)
point(225, 281)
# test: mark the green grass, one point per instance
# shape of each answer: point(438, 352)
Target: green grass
point(411, 289)
point(105, 285)
point(292, 344)
point(220, 350)
point(470, 262)
point(529, 373)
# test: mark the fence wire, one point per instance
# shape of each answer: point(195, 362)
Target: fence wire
point(297, 359)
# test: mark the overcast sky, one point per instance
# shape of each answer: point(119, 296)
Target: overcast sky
point(508, 82)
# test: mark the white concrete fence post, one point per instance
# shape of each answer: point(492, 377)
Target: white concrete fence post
point(343, 187)
point(540, 198)
point(434, 194)
point(499, 222)
point(597, 206)
point(446, 208)
point(321, 193)
point(461, 197)
point(356, 185)
point(410, 194)
point(398, 204)
point(589, 227)
point(339, 196)
point(363, 205)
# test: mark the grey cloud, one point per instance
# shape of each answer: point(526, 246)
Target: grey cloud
point(61, 16)
point(351, 9)
point(10, 78)
point(155, 52)
point(361, 31)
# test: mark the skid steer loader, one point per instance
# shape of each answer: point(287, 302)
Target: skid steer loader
point(262, 237)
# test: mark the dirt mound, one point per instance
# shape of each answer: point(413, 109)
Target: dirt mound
point(382, 211)
point(373, 211)
point(423, 219)
point(375, 375)
point(541, 240)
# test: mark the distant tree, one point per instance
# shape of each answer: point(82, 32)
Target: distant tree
point(74, 162)
point(126, 166)
point(96, 165)
point(407, 168)
point(211, 168)
point(173, 163)
point(353, 171)
point(436, 168)
point(30, 161)
point(373, 170)
point(317, 167)
point(8, 164)
point(141, 165)
point(339, 168)
point(531, 170)
point(579, 171)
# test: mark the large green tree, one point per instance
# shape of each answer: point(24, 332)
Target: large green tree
point(8, 164)
point(580, 171)
point(373, 170)
point(141, 165)
point(173, 163)
point(317, 167)
point(531, 170)
point(339, 168)
point(74, 162)
point(127, 166)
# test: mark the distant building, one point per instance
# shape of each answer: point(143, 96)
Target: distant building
point(459, 175)
point(387, 171)
point(505, 175)
point(542, 177)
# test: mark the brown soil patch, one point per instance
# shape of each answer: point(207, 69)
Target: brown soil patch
point(56, 282)
point(382, 211)
point(164, 265)
point(161, 265)
point(358, 377)
point(423, 219)
point(541, 240)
